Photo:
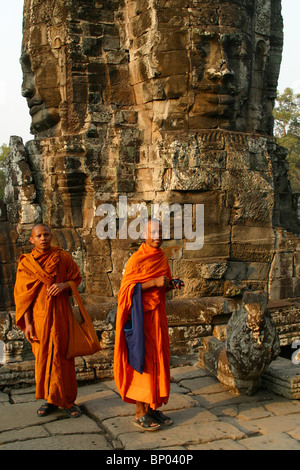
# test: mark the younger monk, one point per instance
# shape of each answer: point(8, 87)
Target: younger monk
point(149, 389)
point(42, 306)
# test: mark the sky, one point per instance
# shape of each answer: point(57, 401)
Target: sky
point(15, 119)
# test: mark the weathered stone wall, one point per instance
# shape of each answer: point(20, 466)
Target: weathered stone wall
point(162, 102)
point(231, 174)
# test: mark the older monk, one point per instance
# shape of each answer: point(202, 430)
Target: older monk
point(42, 309)
point(148, 388)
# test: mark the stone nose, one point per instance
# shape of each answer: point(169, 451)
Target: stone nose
point(219, 71)
point(28, 88)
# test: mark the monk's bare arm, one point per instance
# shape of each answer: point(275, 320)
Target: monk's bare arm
point(56, 289)
point(162, 281)
point(29, 327)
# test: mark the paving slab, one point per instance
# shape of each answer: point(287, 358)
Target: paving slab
point(272, 424)
point(225, 444)
point(226, 410)
point(249, 411)
point(24, 434)
point(21, 415)
point(178, 388)
point(196, 415)
point(104, 405)
point(205, 415)
point(72, 426)
point(178, 401)
point(221, 399)
point(187, 372)
point(183, 435)
point(295, 433)
point(283, 406)
point(202, 385)
point(69, 442)
point(125, 424)
point(272, 441)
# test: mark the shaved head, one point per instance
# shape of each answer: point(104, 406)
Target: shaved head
point(150, 221)
point(152, 232)
point(39, 225)
point(41, 237)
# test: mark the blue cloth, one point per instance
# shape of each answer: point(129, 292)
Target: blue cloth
point(134, 332)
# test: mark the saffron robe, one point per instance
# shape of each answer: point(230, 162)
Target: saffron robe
point(153, 385)
point(54, 374)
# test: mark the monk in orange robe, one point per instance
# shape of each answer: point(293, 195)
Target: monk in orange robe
point(149, 389)
point(42, 308)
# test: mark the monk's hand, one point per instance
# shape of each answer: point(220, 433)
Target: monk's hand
point(56, 289)
point(162, 281)
point(30, 333)
point(176, 283)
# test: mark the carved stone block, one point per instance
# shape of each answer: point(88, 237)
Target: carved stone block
point(251, 345)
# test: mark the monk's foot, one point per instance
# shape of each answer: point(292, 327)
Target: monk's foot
point(46, 409)
point(73, 412)
point(160, 418)
point(146, 422)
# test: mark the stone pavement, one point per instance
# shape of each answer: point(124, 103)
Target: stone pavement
point(206, 417)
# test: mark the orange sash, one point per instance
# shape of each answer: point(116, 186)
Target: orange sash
point(55, 375)
point(145, 264)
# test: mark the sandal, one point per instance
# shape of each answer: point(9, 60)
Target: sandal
point(160, 418)
point(146, 423)
point(46, 409)
point(73, 412)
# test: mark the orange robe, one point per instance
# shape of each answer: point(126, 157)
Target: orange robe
point(153, 385)
point(54, 374)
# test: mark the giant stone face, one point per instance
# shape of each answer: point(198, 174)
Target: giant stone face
point(40, 89)
point(48, 84)
point(213, 63)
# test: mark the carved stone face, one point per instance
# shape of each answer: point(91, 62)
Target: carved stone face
point(43, 65)
point(204, 64)
point(211, 61)
point(221, 65)
point(43, 102)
